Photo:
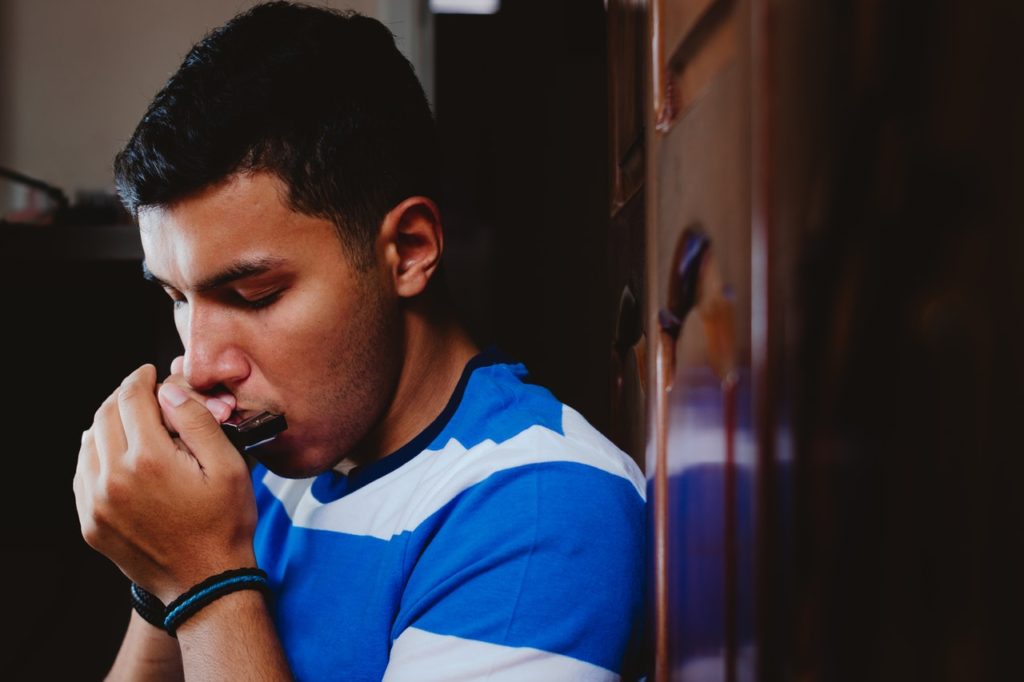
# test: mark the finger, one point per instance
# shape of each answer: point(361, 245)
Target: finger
point(178, 365)
point(87, 470)
point(226, 398)
point(108, 431)
point(138, 408)
point(218, 404)
point(194, 424)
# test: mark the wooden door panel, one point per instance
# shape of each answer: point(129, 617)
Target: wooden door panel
point(627, 41)
point(692, 43)
point(705, 449)
point(627, 48)
point(704, 179)
point(679, 19)
point(629, 344)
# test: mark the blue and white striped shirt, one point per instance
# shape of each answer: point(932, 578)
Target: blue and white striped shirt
point(505, 542)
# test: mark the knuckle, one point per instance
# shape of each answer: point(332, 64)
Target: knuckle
point(92, 532)
point(84, 452)
point(130, 390)
point(111, 494)
point(142, 373)
point(89, 532)
point(102, 411)
point(198, 419)
point(107, 409)
point(143, 464)
point(97, 515)
point(177, 380)
point(137, 383)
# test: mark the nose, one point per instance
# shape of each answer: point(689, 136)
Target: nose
point(214, 353)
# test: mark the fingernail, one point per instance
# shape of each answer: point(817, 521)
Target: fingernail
point(218, 408)
point(174, 395)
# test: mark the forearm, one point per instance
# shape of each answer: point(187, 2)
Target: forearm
point(232, 638)
point(146, 654)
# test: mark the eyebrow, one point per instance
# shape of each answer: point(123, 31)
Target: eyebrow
point(248, 267)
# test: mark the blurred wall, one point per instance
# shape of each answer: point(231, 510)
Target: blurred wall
point(76, 75)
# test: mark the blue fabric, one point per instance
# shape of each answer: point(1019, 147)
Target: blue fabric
point(546, 555)
point(534, 557)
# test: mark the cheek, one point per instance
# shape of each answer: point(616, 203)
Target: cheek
point(306, 335)
point(357, 341)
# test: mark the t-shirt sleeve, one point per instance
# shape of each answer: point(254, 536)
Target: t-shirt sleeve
point(535, 573)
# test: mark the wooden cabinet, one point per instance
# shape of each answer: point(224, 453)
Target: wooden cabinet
point(830, 293)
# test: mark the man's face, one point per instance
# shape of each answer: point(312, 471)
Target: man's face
point(269, 307)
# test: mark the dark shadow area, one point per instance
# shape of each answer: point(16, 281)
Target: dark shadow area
point(909, 374)
point(72, 329)
point(521, 108)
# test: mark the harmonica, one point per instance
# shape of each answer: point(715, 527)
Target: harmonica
point(248, 432)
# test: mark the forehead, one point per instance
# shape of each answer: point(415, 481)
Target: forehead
point(244, 218)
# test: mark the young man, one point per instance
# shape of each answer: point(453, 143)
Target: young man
point(427, 514)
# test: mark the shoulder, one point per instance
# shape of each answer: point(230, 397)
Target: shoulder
point(505, 423)
point(512, 530)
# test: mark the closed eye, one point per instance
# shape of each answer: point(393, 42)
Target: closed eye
point(261, 301)
point(230, 297)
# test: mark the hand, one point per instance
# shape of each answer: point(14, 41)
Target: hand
point(168, 516)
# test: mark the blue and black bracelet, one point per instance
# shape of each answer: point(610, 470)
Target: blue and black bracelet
point(149, 607)
point(214, 587)
point(170, 617)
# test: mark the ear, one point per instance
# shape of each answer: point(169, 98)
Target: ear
point(413, 242)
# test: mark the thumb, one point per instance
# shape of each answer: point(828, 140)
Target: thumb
point(193, 422)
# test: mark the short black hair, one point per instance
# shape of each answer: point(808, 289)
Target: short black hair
point(320, 98)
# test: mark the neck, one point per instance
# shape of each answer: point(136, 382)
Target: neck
point(436, 351)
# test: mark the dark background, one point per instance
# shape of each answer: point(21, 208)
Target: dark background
point(522, 118)
point(521, 109)
point(75, 327)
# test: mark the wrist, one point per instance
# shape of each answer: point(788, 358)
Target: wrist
point(184, 579)
point(210, 590)
point(170, 616)
point(235, 609)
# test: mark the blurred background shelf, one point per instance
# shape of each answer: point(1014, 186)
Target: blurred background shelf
point(43, 243)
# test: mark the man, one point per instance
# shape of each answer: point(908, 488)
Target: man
point(427, 514)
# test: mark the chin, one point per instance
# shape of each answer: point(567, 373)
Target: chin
point(289, 459)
